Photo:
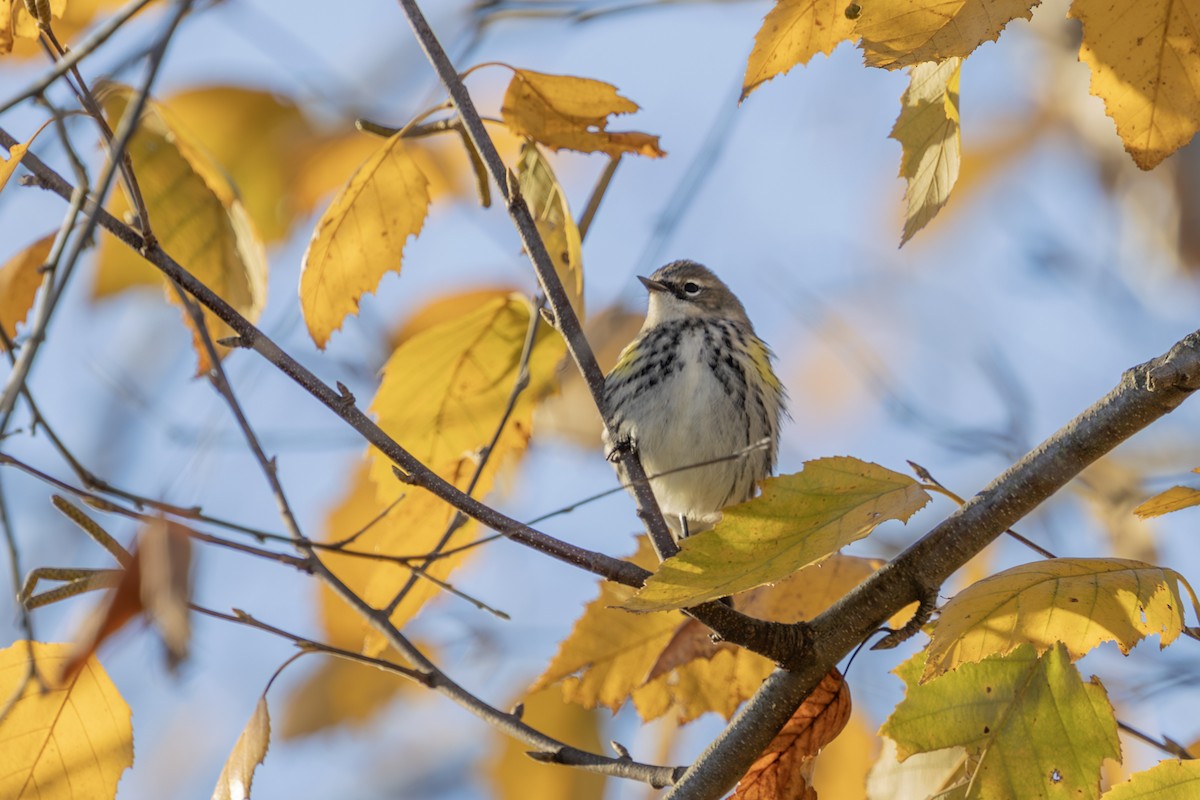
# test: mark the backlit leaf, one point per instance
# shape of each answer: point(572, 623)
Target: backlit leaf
point(1169, 780)
point(919, 775)
point(548, 205)
point(841, 770)
point(903, 33)
point(248, 752)
point(785, 768)
point(20, 278)
point(71, 742)
point(344, 693)
point(1173, 499)
point(9, 165)
point(1144, 56)
point(799, 519)
point(515, 776)
point(1080, 602)
point(194, 212)
point(561, 111)
point(793, 32)
point(609, 652)
point(361, 237)
point(1031, 726)
point(928, 130)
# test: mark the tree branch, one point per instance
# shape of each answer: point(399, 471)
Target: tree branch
point(1144, 394)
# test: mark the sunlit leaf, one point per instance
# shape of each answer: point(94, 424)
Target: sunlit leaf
point(361, 237)
point(20, 278)
point(342, 693)
point(785, 768)
point(903, 33)
point(928, 130)
point(793, 32)
point(1169, 780)
point(195, 213)
point(918, 775)
point(564, 112)
point(1031, 726)
point(71, 742)
point(798, 520)
point(1144, 56)
point(548, 204)
point(842, 768)
point(1080, 602)
point(513, 775)
point(248, 752)
point(9, 165)
point(25, 25)
point(1173, 499)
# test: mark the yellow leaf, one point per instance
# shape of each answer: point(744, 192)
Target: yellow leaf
point(118, 266)
point(9, 166)
point(1079, 602)
point(609, 652)
point(194, 212)
point(361, 236)
point(445, 308)
point(1144, 56)
point(793, 32)
point(20, 278)
point(72, 742)
point(930, 775)
point(928, 130)
point(261, 166)
point(564, 112)
point(719, 684)
point(548, 205)
point(1173, 499)
point(1169, 780)
point(799, 519)
point(842, 768)
point(69, 20)
point(904, 33)
point(515, 776)
point(442, 397)
point(25, 25)
point(341, 693)
point(248, 752)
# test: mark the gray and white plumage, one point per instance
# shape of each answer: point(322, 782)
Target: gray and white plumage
point(696, 385)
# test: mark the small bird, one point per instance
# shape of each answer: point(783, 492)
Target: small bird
point(695, 387)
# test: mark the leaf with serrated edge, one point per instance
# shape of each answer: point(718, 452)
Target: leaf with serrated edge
point(901, 33)
point(1032, 725)
point(565, 112)
point(195, 213)
point(1174, 499)
point(1144, 56)
point(71, 742)
point(361, 237)
point(1080, 602)
point(248, 752)
point(928, 130)
point(793, 32)
point(1170, 780)
point(799, 519)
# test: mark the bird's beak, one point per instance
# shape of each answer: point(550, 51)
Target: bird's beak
point(652, 285)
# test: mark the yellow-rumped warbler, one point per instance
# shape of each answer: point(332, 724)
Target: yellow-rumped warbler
point(695, 386)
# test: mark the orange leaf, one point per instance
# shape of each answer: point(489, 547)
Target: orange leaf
point(565, 112)
point(785, 767)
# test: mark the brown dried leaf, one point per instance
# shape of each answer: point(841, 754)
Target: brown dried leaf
point(785, 767)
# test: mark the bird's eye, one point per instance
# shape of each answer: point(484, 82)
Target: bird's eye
point(691, 289)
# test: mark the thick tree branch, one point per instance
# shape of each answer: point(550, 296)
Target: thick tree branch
point(1145, 393)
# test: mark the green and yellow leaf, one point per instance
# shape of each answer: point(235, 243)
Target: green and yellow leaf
point(1030, 725)
point(1079, 602)
point(793, 32)
point(72, 741)
point(20, 278)
point(1169, 780)
point(799, 519)
point(195, 213)
point(565, 112)
point(361, 237)
point(928, 130)
point(548, 204)
point(1144, 56)
point(904, 33)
